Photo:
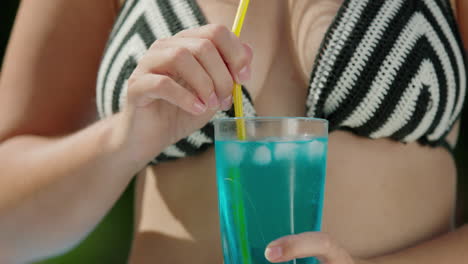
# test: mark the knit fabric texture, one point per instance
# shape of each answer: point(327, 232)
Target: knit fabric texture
point(385, 69)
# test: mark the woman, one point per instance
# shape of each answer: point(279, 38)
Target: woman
point(389, 76)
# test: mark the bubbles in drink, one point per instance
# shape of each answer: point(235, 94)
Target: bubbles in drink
point(262, 156)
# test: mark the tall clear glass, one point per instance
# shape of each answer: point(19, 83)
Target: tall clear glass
point(269, 185)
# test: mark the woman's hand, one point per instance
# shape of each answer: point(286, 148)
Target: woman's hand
point(179, 84)
point(311, 244)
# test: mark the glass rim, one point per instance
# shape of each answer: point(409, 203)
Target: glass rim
point(271, 118)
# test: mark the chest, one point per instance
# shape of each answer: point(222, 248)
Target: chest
point(285, 36)
point(383, 70)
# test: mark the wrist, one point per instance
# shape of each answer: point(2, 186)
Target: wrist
point(121, 140)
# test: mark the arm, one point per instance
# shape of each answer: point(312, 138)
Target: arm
point(55, 190)
point(57, 179)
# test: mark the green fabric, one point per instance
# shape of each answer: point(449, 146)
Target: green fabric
point(110, 241)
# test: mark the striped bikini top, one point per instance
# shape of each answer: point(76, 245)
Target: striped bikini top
point(386, 68)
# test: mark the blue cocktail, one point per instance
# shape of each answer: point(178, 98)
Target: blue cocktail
point(269, 185)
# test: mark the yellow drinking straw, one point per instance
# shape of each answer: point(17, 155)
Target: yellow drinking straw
point(237, 91)
point(239, 208)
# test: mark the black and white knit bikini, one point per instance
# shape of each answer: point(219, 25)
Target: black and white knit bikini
point(386, 68)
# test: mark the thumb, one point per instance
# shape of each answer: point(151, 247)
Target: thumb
point(311, 244)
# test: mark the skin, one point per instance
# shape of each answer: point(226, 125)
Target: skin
point(64, 169)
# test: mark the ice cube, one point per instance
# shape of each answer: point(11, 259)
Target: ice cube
point(234, 153)
point(285, 151)
point(315, 148)
point(262, 156)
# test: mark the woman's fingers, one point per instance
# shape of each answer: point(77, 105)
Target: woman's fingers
point(148, 87)
point(236, 55)
point(206, 53)
point(180, 64)
point(208, 56)
point(311, 244)
point(198, 66)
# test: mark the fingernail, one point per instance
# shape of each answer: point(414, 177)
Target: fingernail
point(199, 107)
point(273, 253)
point(227, 103)
point(213, 101)
point(244, 74)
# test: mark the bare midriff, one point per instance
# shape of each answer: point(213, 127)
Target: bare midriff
point(381, 195)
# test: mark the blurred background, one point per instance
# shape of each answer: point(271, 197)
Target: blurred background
point(110, 241)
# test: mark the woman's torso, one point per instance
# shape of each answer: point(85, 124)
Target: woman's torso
point(381, 195)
